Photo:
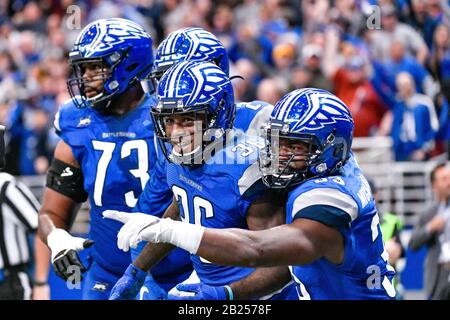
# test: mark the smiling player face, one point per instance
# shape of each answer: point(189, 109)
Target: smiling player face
point(181, 129)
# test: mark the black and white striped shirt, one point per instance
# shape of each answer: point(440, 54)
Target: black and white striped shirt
point(18, 217)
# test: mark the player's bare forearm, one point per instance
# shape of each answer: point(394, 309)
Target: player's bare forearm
point(172, 212)
point(42, 258)
point(57, 211)
point(301, 242)
point(261, 282)
point(152, 254)
point(155, 252)
point(236, 247)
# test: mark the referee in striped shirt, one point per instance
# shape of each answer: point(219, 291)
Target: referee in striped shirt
point(18, 218)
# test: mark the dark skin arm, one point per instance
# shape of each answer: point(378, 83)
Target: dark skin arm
point(155, 252)
point(301, 242)
point(263, 214)
point(58, 211)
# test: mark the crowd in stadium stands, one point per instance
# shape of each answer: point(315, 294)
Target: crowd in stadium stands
point(390, 63)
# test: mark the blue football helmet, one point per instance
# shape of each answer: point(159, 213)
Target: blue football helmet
point(319, 120)
point(123, 50)
point(203, 91)
point(189, 44)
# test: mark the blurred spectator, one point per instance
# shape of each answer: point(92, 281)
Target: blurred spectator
point(245, 88)
point(433, 231)
point(392, 30)
point(103, 9)
point(439, 61)
point(222, 21)
point(315, 13)
point(423, 21)
point(269, 90)
point(31, 18)
point(400, 62)
point(300, 78)
point(443, 132)
point(284, 56)
point(352, 86)
point(248, 12)
point(412, 128)
point(222, 25)
point(312, 64)
point(439, 9)
point(251, 44)
point(28, 135)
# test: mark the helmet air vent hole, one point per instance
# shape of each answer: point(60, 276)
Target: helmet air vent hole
point(131, 67)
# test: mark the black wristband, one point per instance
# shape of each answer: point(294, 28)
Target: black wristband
point(40, 283)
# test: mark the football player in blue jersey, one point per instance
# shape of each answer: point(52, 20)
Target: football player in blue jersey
point(331, 241)
point(106, 153)
point(214, 178)
point(187, 44)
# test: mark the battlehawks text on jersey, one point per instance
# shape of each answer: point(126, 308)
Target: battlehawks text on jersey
point(345, 202)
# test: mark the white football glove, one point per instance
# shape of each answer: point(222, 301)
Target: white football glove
point(143, 227)
point(132, 231)
point(64, 249)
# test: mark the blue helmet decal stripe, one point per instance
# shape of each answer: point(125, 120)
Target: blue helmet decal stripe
point(284, 104)
point(169, 46)
point(306, 93)
point(109, 34)
point(194, 44)
point(173, 79)
point(321, 109)
point(209, 80)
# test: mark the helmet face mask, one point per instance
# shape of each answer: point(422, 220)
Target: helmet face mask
point(118, 45)
point(280, 168)
point(184, 146)
point(318, 125)
point(80, 85)
point(199, 98)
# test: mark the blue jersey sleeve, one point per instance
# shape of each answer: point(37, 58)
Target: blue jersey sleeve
point(69, 124)
point(329, 206)
point(250, 116)
point(157, 195)
point(328, 215)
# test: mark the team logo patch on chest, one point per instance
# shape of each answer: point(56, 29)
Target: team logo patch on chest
point(99, 286)
point(84, 122)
